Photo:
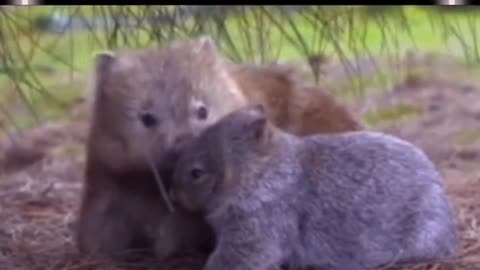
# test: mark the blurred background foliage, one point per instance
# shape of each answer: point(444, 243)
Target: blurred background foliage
point(46, 53)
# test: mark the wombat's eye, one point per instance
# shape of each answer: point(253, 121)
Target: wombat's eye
point(196, 173)
point(202, 113)
point(148, 120)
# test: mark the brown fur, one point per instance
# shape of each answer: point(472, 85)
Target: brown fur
point(292, 104)
point(122, 207)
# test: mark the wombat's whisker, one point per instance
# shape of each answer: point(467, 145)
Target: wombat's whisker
point(159, 181)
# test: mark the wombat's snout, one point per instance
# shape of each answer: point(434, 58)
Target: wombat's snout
point(167, 167)
point(166, 164)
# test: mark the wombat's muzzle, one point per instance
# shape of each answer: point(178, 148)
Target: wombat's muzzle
point(166, 164)
point(166, 167)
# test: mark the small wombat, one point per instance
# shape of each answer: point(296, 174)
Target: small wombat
point(354, 200)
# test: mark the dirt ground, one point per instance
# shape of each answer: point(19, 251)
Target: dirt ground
point(41, 176)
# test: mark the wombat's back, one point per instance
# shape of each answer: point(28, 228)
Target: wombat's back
point(291, 102)
point(375, 197)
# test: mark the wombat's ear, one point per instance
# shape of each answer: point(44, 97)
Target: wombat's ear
point(103, 66)
point(256, 124)
point(104, 62)
point(207, 45)
point(207, 50)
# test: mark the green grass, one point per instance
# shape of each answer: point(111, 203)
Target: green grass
point(422, 28)
point(382, 34)
point(58, 51)
point(76, 50)
point(390, 114)
point(468, 136)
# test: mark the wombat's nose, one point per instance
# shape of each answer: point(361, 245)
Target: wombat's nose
point(170, 161)
point(167, 165)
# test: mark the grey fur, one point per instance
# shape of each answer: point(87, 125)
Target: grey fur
point(353, 201)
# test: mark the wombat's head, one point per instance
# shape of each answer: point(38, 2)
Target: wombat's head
point(212, 165)
point(152, 101)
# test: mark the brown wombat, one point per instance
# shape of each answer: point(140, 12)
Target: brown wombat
point(291, 103)
point(148, 104)
point(356, 200)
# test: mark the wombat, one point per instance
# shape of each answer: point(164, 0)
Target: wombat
point(148, 104)
point(354, 200)
point(291, 103)
point(122, 212)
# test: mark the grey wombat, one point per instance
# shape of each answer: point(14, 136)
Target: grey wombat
point(356, 200)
